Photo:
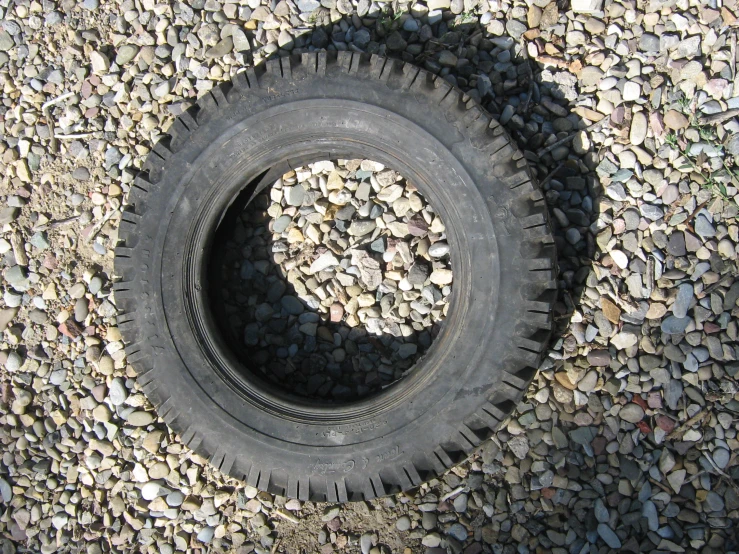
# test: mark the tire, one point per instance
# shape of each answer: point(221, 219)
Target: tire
point(285, 113)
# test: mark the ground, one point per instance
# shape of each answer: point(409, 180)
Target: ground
point(627, 438)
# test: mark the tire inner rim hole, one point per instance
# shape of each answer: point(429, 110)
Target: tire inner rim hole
point(333, 281)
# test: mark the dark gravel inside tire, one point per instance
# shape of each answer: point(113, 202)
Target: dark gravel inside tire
point(294, 302)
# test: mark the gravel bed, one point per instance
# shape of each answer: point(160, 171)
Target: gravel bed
point(336, 279)
point(626, 441)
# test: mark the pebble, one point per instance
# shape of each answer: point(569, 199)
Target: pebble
point(324, 261)
point(13, 362)
point(140, 419)
point(365, 543)
point(458, 531)
point(6, 491)
point(152, 490)
point(676, 479)
point(633, 413)
point(126, 53)
point(673, 119)
point(519, 446)
point(619, 258)
point(673, 325)
point(175, 499)
point(117, 392)
point(438, 250)
point(601, 512)
point(638, 128)
point(631, 92)
point(99, 61)
point(714, 502)
point(704, 227)
point(441, 276)
point(721, 457)
point(682, 300)
point(432, 540)
point(106, 365)
point(403, 523)
point(649, 511)
point(205, 535)
point(608, 536)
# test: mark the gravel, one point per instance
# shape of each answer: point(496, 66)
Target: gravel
point(348, 280)
point(626, 438)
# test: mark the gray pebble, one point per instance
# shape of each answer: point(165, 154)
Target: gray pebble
point(649, 511)
point(96, 283)
point(81, 310)
point(607, 534)
point(365, 543)
point(281, 223)
point(704, 227)
point(292, 305)
point(458, 531)
point(403, 523)
point(601, 512)
point(14, 361)
point(118, 392)
point(721, 456)
point(682, 300)
point(674, 325)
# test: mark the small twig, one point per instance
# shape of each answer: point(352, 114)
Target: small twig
point(718, 117)
point(694, 477)
point(99, 225)
point(695, 213)
point(45, 110)
point(732, 64)
point(530, 91)
point(569, 138)
point(723, 281)
point(680, 431)
point(361, 241)
point(708, 179)
point(721, 472)
point(685, 408)
point(661, 486)
point(529, 94)
point(550, 175)
point(734, 176)
point(56, 100)
point(57, 223)
point(275, 546)
point(74, 136)
point(664, 413)
point(284, 514)
point(452, 493)
point(626, 305)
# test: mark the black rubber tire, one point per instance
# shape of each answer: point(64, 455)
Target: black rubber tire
point(332, 105)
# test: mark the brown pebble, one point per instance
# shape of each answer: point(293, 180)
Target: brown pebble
point(610, 310)
point(337, 312)
point(564, 380)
